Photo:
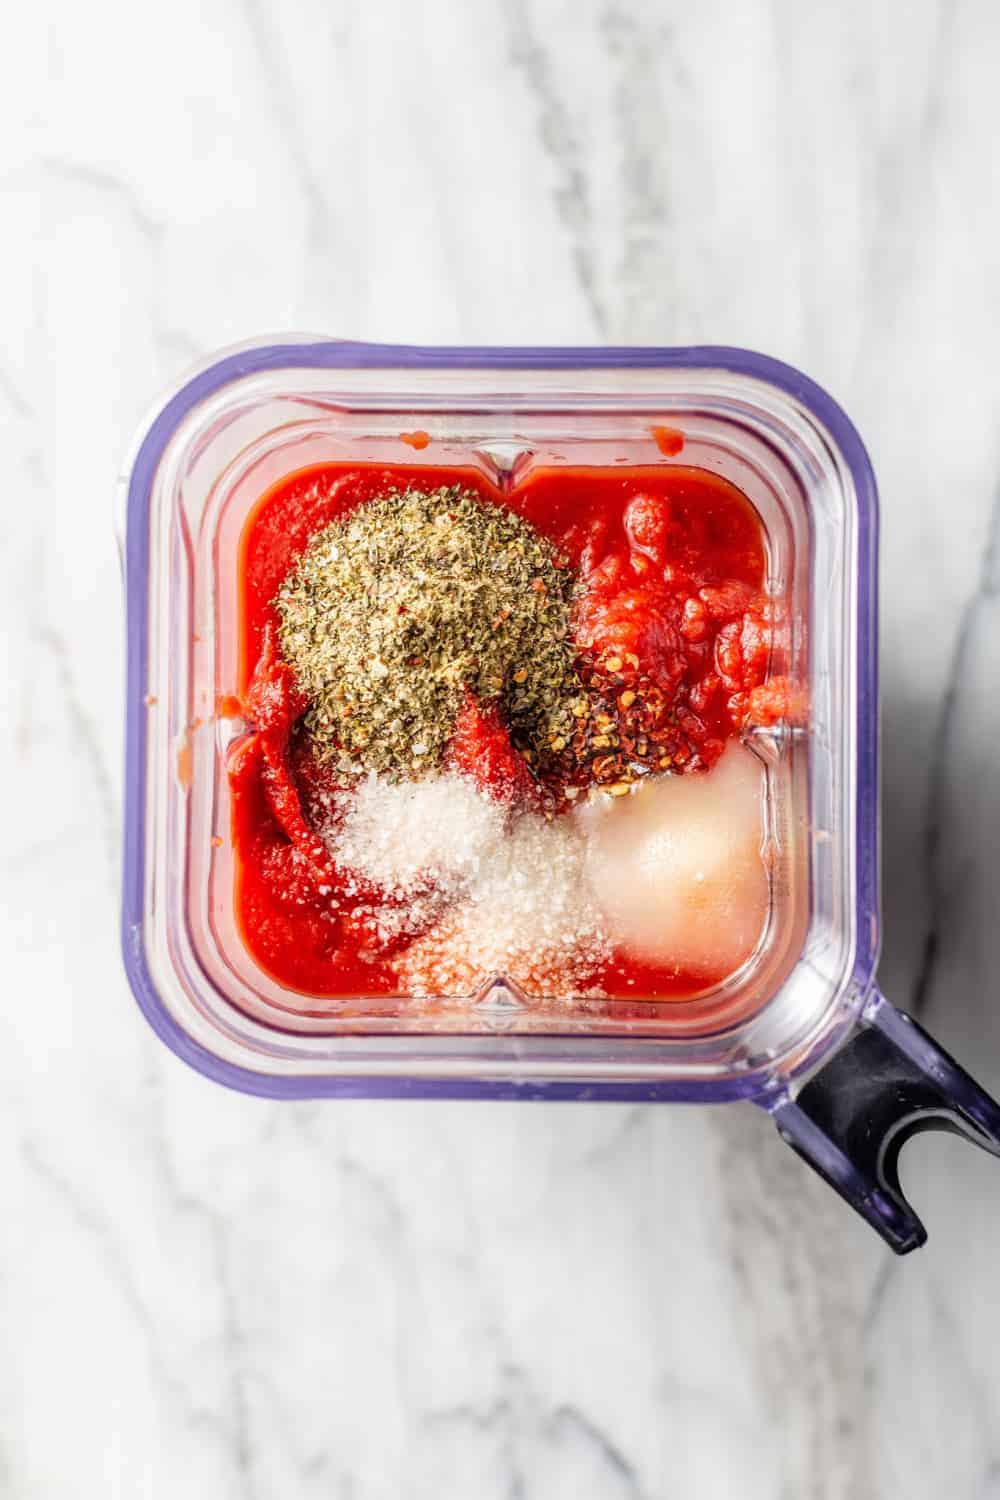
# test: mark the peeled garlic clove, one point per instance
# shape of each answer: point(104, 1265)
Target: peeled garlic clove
point(676, 868)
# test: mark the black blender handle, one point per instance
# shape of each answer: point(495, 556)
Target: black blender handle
point(888, 1081)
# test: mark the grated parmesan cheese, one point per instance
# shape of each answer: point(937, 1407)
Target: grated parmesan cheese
point(505, 898)
point(403, 834)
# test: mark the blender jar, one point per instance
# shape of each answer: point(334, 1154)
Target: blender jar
point(800, 1027)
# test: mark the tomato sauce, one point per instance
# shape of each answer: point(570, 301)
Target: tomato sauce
point(672, 566)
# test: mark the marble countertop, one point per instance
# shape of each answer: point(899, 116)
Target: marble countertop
point(206, 1294)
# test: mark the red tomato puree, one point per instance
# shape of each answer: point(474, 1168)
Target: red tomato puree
point(671, 574)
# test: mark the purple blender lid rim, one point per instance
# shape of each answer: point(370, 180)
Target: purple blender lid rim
point(315, 353)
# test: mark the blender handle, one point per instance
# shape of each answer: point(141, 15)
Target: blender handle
point(889, 1081)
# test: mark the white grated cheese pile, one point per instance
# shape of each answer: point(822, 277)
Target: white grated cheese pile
point(506, 898)
point(400, 834)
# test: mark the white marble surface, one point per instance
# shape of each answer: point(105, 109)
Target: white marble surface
point(203, 1294)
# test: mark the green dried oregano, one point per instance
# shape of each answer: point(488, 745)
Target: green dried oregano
point(396, 610)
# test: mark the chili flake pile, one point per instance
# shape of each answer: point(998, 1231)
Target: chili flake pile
point(395, 613)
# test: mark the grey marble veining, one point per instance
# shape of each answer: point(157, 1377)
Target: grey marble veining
point(206, 1294)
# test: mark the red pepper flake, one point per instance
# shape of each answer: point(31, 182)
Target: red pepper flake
point(216, 841)
point(669, 440)
point(417, 439)
point(228, 706)
point(151, 700)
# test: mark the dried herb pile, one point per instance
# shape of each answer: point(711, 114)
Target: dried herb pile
point(399, 609)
